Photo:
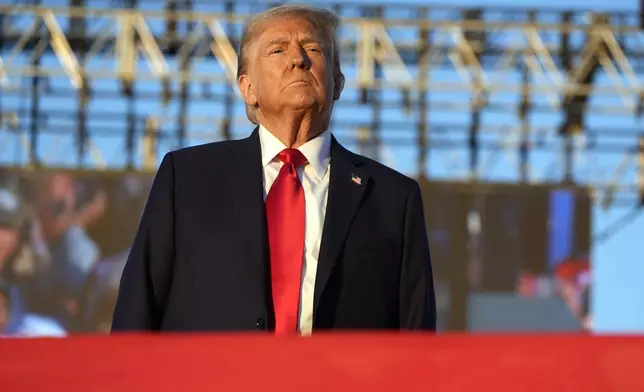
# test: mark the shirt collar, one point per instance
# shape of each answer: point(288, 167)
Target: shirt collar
point(317, 151)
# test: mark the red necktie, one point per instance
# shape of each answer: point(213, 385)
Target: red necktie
point(285, 213)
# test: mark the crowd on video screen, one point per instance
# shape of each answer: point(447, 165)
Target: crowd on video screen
point(65, 236)
point(64, 239)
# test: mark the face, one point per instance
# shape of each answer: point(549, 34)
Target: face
point(4, 311)
point(55, 208)
point(290, 69)
point(8, 242)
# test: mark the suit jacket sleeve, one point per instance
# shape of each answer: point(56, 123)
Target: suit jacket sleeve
point(417, 299)
point(146, 278)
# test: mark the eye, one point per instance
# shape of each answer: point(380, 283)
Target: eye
point(276, 51)
point(313, 50)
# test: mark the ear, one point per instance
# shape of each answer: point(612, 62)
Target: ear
point(338, 85)
point(246, 90)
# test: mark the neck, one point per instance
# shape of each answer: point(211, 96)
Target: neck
point(294, 129)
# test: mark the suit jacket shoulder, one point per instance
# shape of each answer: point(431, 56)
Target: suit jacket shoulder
point(215, 161)
point(383, 176)
point(203, 153)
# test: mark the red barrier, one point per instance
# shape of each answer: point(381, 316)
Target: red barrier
point(324, 363)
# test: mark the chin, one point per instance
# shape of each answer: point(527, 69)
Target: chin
point(302, 103)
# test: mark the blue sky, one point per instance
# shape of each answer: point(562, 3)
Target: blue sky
point(618, 296)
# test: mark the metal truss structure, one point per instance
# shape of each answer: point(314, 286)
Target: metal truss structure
point(473, 94)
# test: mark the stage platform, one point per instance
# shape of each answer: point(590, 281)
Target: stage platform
point(342, 362)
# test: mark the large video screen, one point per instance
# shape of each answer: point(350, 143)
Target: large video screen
point(65, 235)
point(64, 239)
point(509, 257)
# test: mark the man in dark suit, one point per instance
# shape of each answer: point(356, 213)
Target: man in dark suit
point(286, 230)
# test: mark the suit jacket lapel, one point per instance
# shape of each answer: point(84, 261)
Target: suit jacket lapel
point(347, 185)
point(245, 182)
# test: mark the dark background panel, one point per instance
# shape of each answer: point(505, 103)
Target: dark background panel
point(513, 237)
point(583, 225)
point(446, 211)
point(514, 232)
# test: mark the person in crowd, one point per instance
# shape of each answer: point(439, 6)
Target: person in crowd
point(100, 292)
point(73, 252)
point(16, 322)
point(21, 261)
point(12, 219)
point(573, 279)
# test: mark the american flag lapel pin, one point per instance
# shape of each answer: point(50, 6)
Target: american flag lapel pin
point(356, 179)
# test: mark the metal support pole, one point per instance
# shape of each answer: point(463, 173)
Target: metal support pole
point(423, 106)
point(566, 60)
point(473, 38)
point(229, 99)
point(130, 92)
point(35, 101)
point(184, 96)
point(524, 114)
point(78, 30)
point(130, 144)
point(473, 140)
point(375, 101)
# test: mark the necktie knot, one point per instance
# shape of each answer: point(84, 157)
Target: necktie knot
point(292, 156)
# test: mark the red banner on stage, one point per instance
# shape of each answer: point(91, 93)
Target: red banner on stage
point(324, 363)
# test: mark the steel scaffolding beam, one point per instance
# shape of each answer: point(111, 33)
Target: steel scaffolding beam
point(563, 84)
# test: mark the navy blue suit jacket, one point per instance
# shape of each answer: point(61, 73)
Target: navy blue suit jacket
point(199, 261)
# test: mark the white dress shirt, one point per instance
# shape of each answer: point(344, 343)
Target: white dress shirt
point(314, 177)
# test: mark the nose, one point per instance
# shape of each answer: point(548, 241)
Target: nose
point(301, 59)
